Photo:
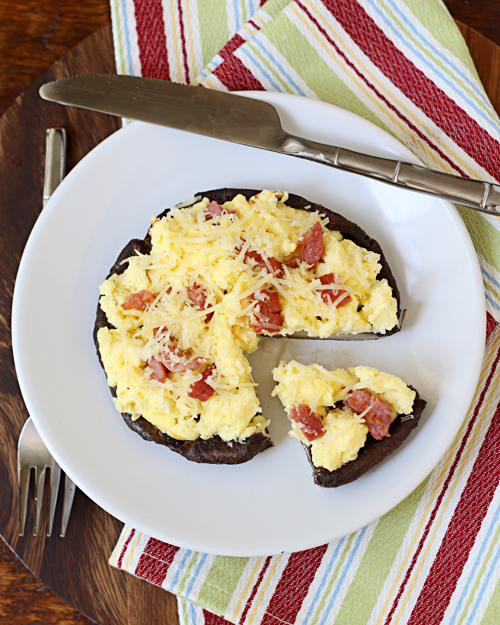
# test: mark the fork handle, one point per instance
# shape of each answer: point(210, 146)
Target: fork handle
point(55, 161)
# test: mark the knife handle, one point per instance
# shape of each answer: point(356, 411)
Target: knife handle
point(477, 194)
point(55, 161)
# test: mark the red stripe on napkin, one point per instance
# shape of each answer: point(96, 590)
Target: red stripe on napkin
point(155, 560)
point(255, 588)
point(127, 542)
point(183, 42)
point(491, 324)
point(151, 39)
point(293, 586)
point(233, 44)
point(462, 531)
point(445, 488)
point(212, 619)
point(389, 105)
point(413, 83)
point(236, 77)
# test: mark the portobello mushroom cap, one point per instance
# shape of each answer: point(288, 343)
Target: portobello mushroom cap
point(214, 450)
point(371, 453)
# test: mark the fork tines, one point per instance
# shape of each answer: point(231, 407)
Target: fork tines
point(33, 454)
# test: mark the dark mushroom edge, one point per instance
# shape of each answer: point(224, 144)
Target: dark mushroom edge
point(214, 450)
point(372, 452)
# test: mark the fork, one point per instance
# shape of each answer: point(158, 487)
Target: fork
point(31, 450)
point(33, 454)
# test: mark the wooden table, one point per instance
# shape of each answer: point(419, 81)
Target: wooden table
point(33, 36)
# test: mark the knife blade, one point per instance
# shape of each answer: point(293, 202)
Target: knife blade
point(211, 113)
point(257, 124)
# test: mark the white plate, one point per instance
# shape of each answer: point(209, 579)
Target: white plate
point(269, 504)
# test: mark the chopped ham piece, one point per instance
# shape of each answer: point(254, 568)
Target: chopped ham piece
point(335, 295)
point(309, 249)
point(272, 324)
point(268, 312)
point(139, 301)
point(159, 330)
point(201, 390)
point(278, 268)
point(158, 370)
point(269, 301)
point(309, 422)
point(199, 297)
point(176, 359)
point(215, 210)
point(271, 265)
point(379, 416)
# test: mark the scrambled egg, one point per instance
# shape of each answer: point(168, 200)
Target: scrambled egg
point(345, 432)
point(189, 250)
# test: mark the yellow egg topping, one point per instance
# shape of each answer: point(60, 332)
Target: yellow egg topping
point(184, 314)
point(340, 432)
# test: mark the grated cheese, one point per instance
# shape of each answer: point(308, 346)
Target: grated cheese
point(186, 250)
point(344, 431)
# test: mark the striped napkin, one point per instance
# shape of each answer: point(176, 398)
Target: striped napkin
point(403, 65)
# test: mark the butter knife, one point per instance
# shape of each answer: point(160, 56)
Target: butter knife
point(257, 124)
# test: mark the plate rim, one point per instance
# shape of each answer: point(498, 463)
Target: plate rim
point(272, 97)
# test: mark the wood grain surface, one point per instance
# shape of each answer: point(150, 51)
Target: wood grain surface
point(35, 34)
point(75, 567)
